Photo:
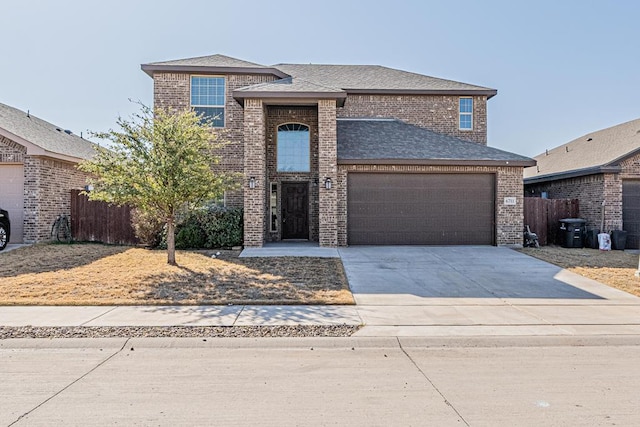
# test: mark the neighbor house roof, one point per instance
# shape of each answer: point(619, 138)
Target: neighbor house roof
point(390, 141)
point(368, 79)
point(41, 137)
point(597, 152)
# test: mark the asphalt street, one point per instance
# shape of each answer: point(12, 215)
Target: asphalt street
point(489, 381)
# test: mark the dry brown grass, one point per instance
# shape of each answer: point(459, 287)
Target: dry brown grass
point(613, 268)
point(93, 274)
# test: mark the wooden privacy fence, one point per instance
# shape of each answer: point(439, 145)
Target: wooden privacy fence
point(543, 216)
point(100, 222)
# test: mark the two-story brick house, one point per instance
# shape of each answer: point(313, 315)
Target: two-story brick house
point(352, 154)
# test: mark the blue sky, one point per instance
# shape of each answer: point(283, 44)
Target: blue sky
point(562, 68)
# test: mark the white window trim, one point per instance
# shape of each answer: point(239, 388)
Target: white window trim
point(223, 106)
point(273, 207)
point(309, 142)
point(460, 114)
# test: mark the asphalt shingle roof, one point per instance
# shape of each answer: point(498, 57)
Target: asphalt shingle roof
point(290, 84)
point(364, 78)
point(604, 147)
point(373, 77)
point(43, 134)
point(211, 61)
point(389, 139)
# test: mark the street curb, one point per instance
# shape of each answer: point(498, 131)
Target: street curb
point(324, 343)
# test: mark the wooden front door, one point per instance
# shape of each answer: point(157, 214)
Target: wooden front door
point(295, 210)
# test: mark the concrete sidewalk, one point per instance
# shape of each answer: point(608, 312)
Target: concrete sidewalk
point(212, 315)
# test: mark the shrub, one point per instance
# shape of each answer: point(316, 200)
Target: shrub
point(147, 227)
point(223, 227)
point(190, 235)
point(211, 227)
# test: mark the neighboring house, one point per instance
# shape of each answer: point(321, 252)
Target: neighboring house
point(37, 172)
point(352, 154)
point(603, 166)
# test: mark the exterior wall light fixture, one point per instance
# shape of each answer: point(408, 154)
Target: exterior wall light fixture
point(252, 182)
point(327, 183)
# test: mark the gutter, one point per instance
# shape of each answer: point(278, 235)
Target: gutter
point(439, 162)
point(573, 174)
point(151, 68)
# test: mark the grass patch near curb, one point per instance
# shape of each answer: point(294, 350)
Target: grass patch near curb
point(94, 274)
point(614, 268)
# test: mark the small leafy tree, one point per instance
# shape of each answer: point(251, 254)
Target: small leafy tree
point(159, 162)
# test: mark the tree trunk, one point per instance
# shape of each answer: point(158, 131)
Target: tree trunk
point(171, 242)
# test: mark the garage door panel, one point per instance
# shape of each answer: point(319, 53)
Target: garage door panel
point(631, 212)
point(436, 209)
point(12, 198)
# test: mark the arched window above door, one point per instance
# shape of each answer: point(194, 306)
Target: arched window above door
point(293, 148)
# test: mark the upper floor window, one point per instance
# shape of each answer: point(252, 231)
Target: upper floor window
point(466, 113)
point(207, 98)
point(293, 148)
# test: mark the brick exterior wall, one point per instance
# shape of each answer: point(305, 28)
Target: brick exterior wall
point(11, 152)
point(591, 191)
point(172, 90)
point(255, 200)
point(438, 113)
point(47, 189)
point(328, 168)
point(630, 168)
point(509, 219)
point(48, 184)
point(276, 116)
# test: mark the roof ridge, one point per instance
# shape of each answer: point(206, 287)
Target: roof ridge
point(215, 55)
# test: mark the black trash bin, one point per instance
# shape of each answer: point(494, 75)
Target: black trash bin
point(591, 241)
point(618, 239)
point(572, 231)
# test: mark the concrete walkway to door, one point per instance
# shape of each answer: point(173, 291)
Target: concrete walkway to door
point(479, 290)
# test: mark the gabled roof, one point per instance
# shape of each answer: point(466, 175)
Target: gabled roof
point(211, 61)
point(369, 79)
point(291, 87)
point(41, 137)
point(596, 152)
point(390, 141)
point(379, 79)
point(211, 64)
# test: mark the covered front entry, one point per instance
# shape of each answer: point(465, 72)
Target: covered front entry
point(420, 209)
point(295, 210)
point(12, 198)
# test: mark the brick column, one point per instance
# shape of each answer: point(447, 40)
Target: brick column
point(328, 168)
point(613, 202)
point(254, 166)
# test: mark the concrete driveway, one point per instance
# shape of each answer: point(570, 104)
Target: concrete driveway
point(479, 290)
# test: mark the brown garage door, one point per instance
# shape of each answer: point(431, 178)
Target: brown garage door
point(421, 209)
point(631, 212)
point(12, 198)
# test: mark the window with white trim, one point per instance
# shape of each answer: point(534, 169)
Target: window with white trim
point(207, 98)
point(293, 148)
point(466, 113)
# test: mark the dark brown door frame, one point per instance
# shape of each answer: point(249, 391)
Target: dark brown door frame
point(294, 210)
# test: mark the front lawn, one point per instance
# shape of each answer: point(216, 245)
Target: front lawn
point(613, 268)
point(94, 274)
